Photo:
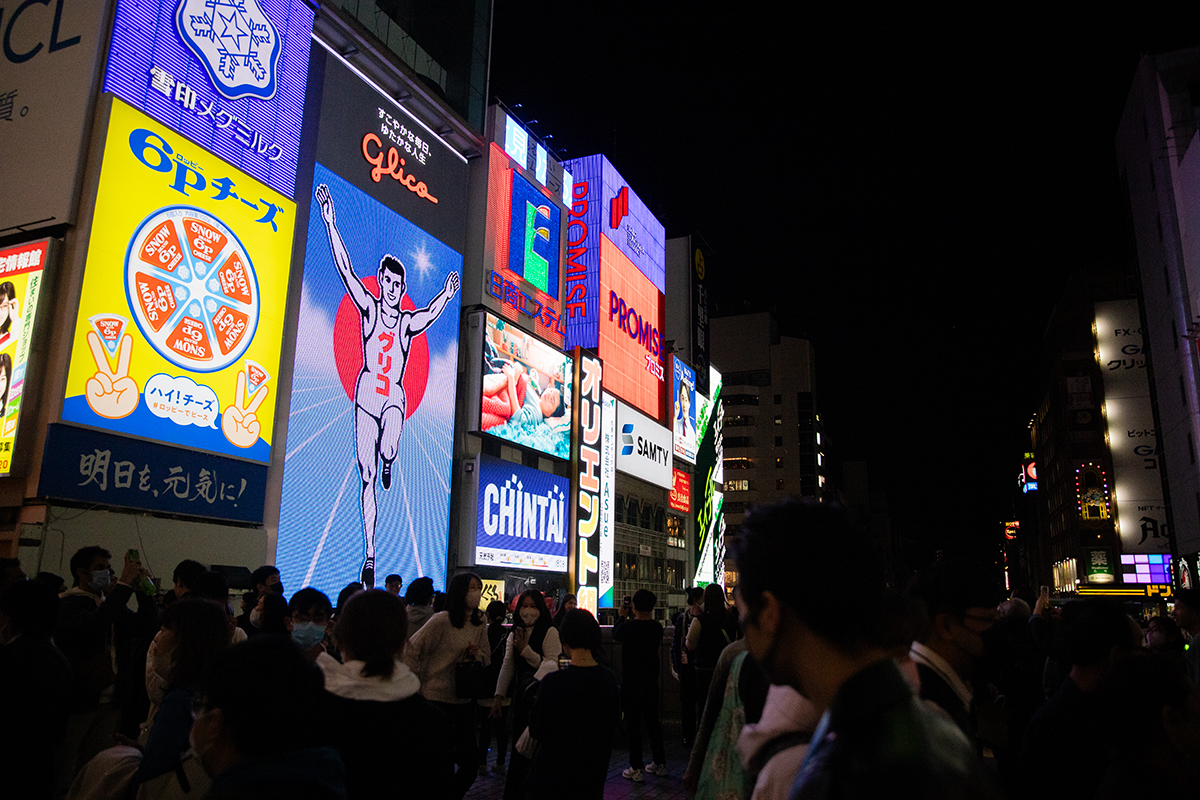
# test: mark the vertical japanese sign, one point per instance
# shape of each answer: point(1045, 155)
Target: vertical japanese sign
point(366, 479)
point(608, 482)
point(181, 312)
point(709, 471)
point(20, 286)
point(586, 474)
point(700, 317)
point(228, 74)
point(48, 60)
point(1132, 436)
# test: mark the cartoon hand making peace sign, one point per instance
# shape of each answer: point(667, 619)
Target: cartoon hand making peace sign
point(239, 422)
point(111, 393)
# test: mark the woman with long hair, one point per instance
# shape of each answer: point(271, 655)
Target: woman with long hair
point(569, 603)
point(193, 631)
point(531, 652)
point(388, 734)
point(708, 635)
point(455, 635)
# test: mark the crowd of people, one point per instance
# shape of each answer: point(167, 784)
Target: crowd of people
point(800, 689)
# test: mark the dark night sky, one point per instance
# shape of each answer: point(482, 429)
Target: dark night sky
point(909, 186)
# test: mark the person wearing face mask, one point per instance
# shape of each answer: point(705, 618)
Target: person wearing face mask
point(101, 638)
point(193, 632)
point(457, 634)
point(958, 599)
point(530, 654)
point(309, 621)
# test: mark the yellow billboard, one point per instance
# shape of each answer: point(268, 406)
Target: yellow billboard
point(181, 313)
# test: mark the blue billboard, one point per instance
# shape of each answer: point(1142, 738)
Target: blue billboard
point(521, 519)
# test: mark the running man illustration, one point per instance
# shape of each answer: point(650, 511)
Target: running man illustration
point(379, 400)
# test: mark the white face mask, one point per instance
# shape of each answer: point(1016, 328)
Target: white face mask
point(256, 617)
point(473, 598)
point(529, 616)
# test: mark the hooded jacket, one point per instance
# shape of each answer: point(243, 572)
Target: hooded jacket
point(389, 736)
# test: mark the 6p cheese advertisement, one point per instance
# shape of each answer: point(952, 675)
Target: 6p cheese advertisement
point(181, 312)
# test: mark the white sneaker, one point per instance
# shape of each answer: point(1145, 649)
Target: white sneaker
point(632, 774)
point(656, 769)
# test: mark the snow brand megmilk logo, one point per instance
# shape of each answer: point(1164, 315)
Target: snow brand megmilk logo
point(235, 41)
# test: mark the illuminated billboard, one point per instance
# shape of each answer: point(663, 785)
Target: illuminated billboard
point(683, 410)
point(709, 524)
point(521, 519)
point(680, 497)
point(631, 340)
point(228, 74)
point(1132, 435)
point(366, 479)
point(589, 566)
point(522, 250)
point(603, 207)
point(20, 287)
point(645, 447)
point(527, 390)
point(177, 338)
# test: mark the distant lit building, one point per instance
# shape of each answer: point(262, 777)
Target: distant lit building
point(775, 444)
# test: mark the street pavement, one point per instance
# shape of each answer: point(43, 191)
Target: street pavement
point(655, 787)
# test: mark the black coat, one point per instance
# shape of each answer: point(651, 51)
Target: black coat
point(882, 741)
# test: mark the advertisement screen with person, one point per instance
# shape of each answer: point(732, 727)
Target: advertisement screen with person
point(526, 390)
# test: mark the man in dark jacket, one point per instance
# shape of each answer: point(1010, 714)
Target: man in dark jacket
point(875, 739)
point(959, 603)
point(641, 638)
point(96, 630)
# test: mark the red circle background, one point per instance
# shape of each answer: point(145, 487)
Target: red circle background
point(348, 349)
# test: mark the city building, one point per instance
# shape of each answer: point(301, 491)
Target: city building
point(1159, 169)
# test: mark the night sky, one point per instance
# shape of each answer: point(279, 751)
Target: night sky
point(909, 187)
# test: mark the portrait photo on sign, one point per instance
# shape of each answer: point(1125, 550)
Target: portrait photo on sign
point(527, 389)
point(366, 481)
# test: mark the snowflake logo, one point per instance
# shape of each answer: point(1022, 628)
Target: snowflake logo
point(235, 41)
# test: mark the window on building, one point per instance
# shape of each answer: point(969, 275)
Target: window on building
point(647, 516)
point(619, 508)
point(740, 399)
point(739, 441)
point(660, 519)
point(779, 463)
point(778, 399)
point(778, 419)
point(739, 463)
point(779, 483)
point(739, 421)
point(739, 485)
point(779, 441)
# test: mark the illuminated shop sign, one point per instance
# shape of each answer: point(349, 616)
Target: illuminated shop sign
point(1145, 568)
point(527, 390)
point(521, 519)
point(603, 207)
point(1098, 566)
point(522, 250)
point(366, 480)
point(228, 74)
point(1028, 479)
point(1132, 435)
point(591, 485)
point(680, 497)
point(180, 320)
point(683, 413)
point(644, 447)
point(20, 287)
point(631, 341)
point(1011, 529)
point(608, 483)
